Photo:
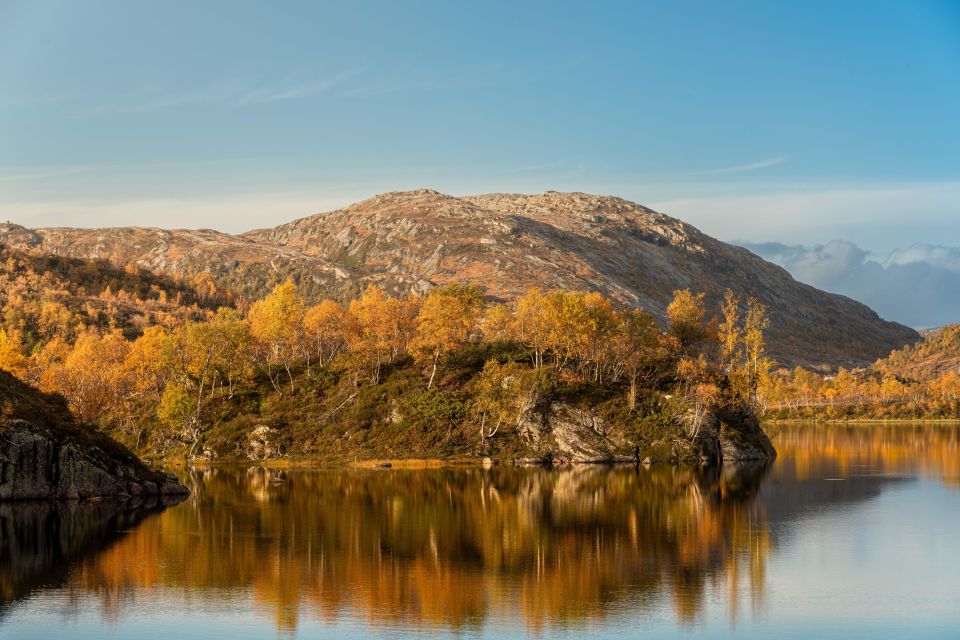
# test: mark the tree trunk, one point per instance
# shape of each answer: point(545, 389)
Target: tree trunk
point(433, 373)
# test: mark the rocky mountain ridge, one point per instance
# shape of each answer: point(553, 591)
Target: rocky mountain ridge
point(407, 242)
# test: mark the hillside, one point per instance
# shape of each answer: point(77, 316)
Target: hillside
point(938, 352)
point(43, 296)
point(410, 241)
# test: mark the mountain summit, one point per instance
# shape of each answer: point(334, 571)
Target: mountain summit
point(507, 243)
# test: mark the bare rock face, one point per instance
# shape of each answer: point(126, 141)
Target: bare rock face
point(559, 433)
point(37, 464)
point(407, 242)
point(263, 443)
point(45, 455)
point(732, 433)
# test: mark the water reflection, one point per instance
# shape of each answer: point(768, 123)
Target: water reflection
point(457, 549)
point(41, 541)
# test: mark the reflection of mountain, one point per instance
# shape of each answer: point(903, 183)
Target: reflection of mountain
point(447, 548)
point(41, 541)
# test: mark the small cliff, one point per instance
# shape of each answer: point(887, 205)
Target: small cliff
point(559, 432)
point(45, 454)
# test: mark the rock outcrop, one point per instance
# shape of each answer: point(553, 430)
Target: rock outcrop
point(559, 433)
point(410, 241)
point(45, 455)
point(731, 433)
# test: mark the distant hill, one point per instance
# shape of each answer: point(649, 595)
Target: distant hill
point(939, 351)
point(44, 296)
point(410, 241)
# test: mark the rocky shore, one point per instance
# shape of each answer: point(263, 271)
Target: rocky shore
point(559, 433)
point(46, 455)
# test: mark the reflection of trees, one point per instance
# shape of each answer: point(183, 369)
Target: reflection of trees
point(41, 541)
point(450, 547)
point(810, 451)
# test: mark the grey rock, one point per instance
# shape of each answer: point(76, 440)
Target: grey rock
point(37, 463)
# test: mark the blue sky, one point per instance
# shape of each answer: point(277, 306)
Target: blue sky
point(761, 121)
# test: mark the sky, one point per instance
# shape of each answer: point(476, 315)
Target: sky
point(792, 122)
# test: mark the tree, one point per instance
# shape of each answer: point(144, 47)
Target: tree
point(12, 358)
point(150, 361)
point(755, 323)
point(446, 320)
point(497, 323)
point(325, 330)
point(730, 332)
point(503, 393)
point(685, 320)
point(634, 349)
point(532, 326)
point(276, 322)
point(379, 328)
point(233, 359)
point(92, 377)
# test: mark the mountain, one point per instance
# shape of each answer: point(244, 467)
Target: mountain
point(410, 241)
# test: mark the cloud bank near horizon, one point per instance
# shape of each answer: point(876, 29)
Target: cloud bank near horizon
point(918, 286)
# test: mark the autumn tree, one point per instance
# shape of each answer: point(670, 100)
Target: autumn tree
point(276, 322)
point(754, 324)
point(92, 377)
point(503, 393)
point(150, 361)
point(233, 358)
point(380, 327)
point(730, 332)
point(635, 349)
point(325, 331)
point(446, 319)
point(685, 320)
point(12, 357)
point(532, 326)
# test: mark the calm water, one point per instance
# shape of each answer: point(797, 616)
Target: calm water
point(852, 532)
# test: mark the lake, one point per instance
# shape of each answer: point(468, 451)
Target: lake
point(853, 532)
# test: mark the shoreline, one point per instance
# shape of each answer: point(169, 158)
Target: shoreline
point(954, 421)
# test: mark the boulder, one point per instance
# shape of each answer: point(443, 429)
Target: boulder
point(730, 433)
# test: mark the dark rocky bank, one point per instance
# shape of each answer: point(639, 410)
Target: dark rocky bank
point(46, 455)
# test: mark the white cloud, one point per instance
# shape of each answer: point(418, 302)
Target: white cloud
point(919, 286)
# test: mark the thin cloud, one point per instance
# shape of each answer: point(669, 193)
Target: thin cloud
point(743, 168)
point(294, 92)
point(53, 172)
point(234, 94)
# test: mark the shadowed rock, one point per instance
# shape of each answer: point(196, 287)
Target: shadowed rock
point(45, 454)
